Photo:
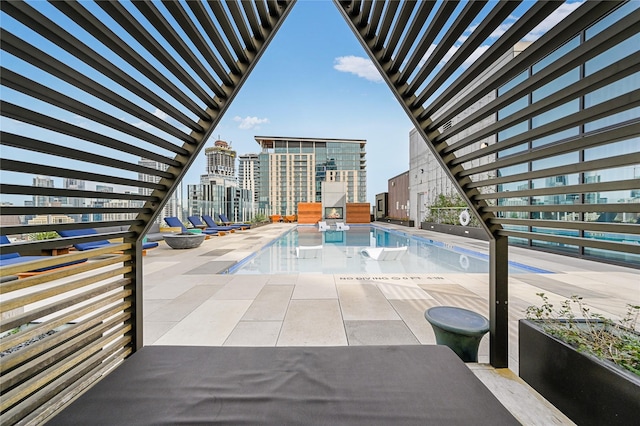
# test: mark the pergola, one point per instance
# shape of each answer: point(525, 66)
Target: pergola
point(174, 67)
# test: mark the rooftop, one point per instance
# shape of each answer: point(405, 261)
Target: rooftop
point(186, 303)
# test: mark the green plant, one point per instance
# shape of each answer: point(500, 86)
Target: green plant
point(38, 236)
point(599, 336)
point(446, 209)
point(259, 218)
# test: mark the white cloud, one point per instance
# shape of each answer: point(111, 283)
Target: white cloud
point(250, 122)
point(558, 15)
point(470, 60)
point(362, 67)
point(160, 114)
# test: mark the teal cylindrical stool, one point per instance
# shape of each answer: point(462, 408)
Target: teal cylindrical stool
point(458, 328)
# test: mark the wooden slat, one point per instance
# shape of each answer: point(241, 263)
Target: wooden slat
point(35, 383)
point(11, 360)
point(46, 293)
point(59, 349)
point(17, 338)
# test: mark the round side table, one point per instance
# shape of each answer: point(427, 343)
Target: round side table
point(460, 329)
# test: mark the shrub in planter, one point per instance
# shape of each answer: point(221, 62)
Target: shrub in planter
point(589, 368)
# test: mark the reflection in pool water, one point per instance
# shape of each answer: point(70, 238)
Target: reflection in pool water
point(342, 254)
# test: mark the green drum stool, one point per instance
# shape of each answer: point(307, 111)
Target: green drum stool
point(458, 328)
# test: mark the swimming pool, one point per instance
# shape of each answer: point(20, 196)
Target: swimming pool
point(341, 253)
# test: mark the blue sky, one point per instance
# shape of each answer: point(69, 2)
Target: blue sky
point(295, 90)
point(314, 80)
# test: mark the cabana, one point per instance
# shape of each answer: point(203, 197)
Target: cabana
point(151, 81)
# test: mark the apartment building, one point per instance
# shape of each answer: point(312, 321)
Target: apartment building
point(292, 171)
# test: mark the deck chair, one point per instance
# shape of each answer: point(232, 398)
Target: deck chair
point(322, 226)
point(197, 223)
point(225, 220)
point(340, 226)
point(174, 222)
point(95, 244)
point(385, 253)
point(308, 252)
point(213, 225)
point(7, 259)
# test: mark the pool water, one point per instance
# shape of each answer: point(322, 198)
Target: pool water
point(342, 254)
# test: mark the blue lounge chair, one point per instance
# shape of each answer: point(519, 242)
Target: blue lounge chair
point(174, 222)
point(195, 221)
point(224, 219)
point(95, 244)
point(7, 259)
point(212, 224)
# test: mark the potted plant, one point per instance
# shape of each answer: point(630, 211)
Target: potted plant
point(586, 365)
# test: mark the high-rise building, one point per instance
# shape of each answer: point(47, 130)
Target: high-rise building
point(43, 182)
point(249, 174)
point(218, 190)
point(221, 159)
point(292, 171)
point(173, 206)
point(78, 185)
point(249, 178)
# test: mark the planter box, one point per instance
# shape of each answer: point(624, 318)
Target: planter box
point(409, 223)
point(459, 230)
point(586, 389)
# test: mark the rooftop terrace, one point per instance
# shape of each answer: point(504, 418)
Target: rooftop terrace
point(186, 303)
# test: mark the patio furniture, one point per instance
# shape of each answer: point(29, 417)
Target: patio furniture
point(308, 252)
point(211, 224)
point(225, 220)
point(187, 240)
point(385, 253)
point(340, 226)
point(96, 244)
point(354, 385)
point(174, 222)
point(14, 258)
point(459, 329)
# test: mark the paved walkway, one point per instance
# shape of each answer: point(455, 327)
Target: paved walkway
point(186, 303)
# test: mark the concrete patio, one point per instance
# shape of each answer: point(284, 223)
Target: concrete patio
point(187, 303)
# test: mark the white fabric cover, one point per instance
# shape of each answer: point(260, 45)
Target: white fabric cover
point(385, 253)
point(308, 252)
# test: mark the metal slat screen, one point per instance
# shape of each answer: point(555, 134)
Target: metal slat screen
point(541, 138)
point(104, 106)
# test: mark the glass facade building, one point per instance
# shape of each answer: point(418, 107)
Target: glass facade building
point(292, 171)
point(600, 157)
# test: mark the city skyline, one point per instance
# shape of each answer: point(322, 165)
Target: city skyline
point(314, 80)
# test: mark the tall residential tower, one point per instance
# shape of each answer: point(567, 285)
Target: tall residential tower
point(292, 171)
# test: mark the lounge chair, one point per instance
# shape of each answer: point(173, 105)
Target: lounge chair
point(197, 223)
point(340, 226)
point(322, 226)
point(7, 259)
point(385, 253)
point(174, 222)
point(308, 252)
point(212, 223)
point(225, 220)
point(95, 244)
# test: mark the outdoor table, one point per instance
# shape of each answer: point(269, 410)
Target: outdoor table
point(459, 329)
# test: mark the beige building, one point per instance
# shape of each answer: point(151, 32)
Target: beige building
point(292, 171)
